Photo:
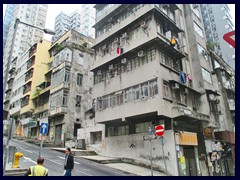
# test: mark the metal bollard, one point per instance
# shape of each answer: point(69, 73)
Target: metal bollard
point(17, 156)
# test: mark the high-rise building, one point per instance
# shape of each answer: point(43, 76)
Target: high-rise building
point(30, 69)
point(64, 23)
point(217, 22)
point(152, 67)
point(26, 36)
point(6, 22)
point(88, 20)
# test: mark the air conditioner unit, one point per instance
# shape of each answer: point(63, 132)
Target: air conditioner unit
point(204, 53)
point(110, 19)
point(175, 86)
point(195, 6)
point(140, 54)
point(116, 40)
point(124, 61)
point(104, 47)
point(110, 67)
point(144, 25)
point(165, 5)
point(125, 35)
point(99, 72)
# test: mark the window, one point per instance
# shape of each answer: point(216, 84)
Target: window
point(81, 59)
point(159, 28)
point(143, 127)
point(195, 10)
point(118, 131)
point(202, 51)
point(78, 101)
point(166, 90)
point(79, 79)
point(216, 64)
point(198, 30)
point(153, 88)
point(206, 76)
point(137, 33)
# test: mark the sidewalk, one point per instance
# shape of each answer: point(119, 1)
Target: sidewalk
point(118, 164)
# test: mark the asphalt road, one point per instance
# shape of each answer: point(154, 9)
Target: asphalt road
point(54, 161)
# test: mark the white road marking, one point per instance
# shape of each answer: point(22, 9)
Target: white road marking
point(25, 149)
point(84, 173)
point(54, 161)
point(76, 162)
point(61, 157)
point(29, 159)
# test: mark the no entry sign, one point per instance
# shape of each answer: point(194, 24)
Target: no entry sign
point(159, 130)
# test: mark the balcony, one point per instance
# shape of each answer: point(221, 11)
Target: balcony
point(27, 87)
point(107, 13)
point(58, 110)
point(30, 62)
point(63, 85)
point(33, 49)
point(29, 74)
point(12, 69)
point(41, 108)
point(25, 101)
point(122, 24)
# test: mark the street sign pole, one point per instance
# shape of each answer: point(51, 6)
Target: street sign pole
point(150, 146)
point(40, 150)
point(150, 141)
point(43, 131)
point(165, 164)
point(6, 153)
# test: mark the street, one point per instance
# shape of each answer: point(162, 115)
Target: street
point(54, 161)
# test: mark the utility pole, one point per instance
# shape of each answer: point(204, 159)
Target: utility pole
point(6, 153)
point(165, 164)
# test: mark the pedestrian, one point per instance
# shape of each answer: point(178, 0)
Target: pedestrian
point(68, 163)
point(37, 170)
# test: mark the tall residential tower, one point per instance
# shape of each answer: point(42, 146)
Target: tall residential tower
point(64, 23)
point(217, 22)
point(26, 36)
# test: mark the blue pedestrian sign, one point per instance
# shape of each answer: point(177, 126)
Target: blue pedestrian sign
point(44, 128)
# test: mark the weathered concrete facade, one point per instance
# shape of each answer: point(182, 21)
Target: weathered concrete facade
point(139, 83)
point(71, 85)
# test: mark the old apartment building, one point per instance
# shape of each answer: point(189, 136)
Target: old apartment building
point(25, 75)
point(71, 85)
point(152, 67)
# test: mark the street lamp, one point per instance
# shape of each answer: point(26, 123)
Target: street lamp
point(17, 21)
point(47, 31)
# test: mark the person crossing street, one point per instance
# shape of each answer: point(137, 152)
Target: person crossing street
point(68, 163)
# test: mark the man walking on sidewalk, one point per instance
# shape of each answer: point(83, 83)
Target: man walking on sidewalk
point(68, 163)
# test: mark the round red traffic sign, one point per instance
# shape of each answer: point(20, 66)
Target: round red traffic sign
point(159, 130)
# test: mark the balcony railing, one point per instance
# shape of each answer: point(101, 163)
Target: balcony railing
point(58, 110)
